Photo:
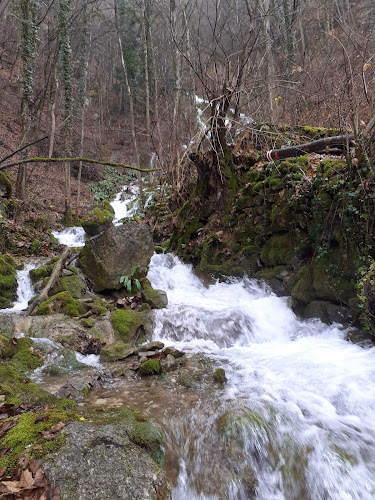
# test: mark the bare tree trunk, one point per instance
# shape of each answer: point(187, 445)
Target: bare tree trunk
point(54, 90)
point(132, 119)
point(146, 37)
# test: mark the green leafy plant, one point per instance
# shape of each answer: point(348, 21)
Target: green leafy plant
point(129, 281)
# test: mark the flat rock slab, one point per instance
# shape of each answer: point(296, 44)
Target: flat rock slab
point(99, 462)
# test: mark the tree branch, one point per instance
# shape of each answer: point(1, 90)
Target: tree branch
point(84, 160)
point(21, 149)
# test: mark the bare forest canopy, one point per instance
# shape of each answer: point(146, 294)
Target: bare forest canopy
point(147, 81)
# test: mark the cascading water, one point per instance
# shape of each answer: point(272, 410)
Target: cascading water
point(302, 396)
point(25, 289)
point(71, 236)
point(126, 204)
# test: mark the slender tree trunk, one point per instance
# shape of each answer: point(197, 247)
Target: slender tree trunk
point(146, 37)
point(132, 118)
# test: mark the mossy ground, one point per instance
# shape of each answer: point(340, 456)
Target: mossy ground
point(40, 410)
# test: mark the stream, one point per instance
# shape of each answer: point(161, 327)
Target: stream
point(295, 418)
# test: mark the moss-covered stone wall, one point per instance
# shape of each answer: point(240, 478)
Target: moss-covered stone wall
point(303, 225)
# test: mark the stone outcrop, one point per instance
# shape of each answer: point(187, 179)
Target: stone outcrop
point(114, 253)
point(126, 473)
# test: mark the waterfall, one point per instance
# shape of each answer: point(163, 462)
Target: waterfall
point(303, 395)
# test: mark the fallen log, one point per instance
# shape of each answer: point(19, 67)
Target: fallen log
point(60, 264)
point(330, 145)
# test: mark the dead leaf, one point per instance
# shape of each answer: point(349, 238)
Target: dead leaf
point(26, 480)
point(13, 486)
point(2, 471)
point(14, 341)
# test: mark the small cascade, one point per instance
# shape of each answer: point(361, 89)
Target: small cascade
point(299, 403)
point(25, 289)
point(71, 236)
point(126, 203)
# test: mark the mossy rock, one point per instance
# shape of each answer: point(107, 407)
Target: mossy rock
point(19, 353)
point(62, 302)
point(279, 250)
point(219, 375)
point(88, 322)
point(8, 281)
point(5, 186)
point(74, 284)
point(303, 289)
point(131, 326)
point(116, 352)
point(46, 411)
point(156, 299)
point(66, 362)
point(41, 272)
point(150, 367)
point(97, 221)
point(148, 436)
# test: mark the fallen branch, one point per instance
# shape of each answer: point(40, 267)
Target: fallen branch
point(60, 264)
point(21, 149)
point(331, 145)
point(84, 160)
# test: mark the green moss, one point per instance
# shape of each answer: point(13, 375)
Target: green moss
point(303, 290)
point(278, 250)
point(276, 182)
point(6, 185)
point(121, 320)
point(148, 436)
point(99, 307)
point(72, 284)
point(252, 176)
point(219, 375)
point(26, 436)
point(235, 426)
point(98, 220)
point(87, 322)
point(61, 302)
point(8, 281)
point(159, 249)
point(150, 367)
point(116, 352)
point(18, 389)
point(156, 299)
point(24, 359)
point(41, 272)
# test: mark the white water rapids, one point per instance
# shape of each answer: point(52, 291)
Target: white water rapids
point(313, 389)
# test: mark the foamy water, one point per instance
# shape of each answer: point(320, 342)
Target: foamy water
point(314, 389)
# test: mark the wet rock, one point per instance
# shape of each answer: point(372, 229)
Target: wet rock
point(77, 387)
point(114, 253)
point(153, 346)
point(126, 473)
point(168, 363)
point(146, 354)
point(156, 299)
point(173, 352)
point(219, 375)
point(117, 352)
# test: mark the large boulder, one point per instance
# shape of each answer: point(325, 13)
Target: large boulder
point(115, 253)
point(99, 462)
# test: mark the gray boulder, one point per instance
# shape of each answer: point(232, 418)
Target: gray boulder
point(114, 253)
point(100, 462)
